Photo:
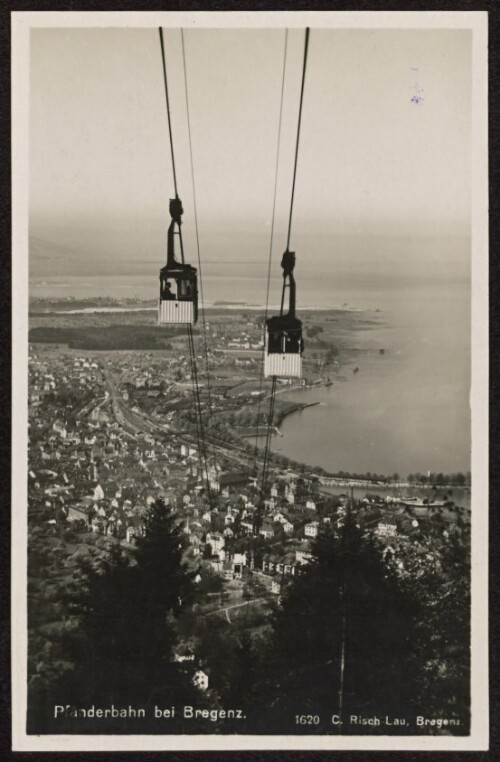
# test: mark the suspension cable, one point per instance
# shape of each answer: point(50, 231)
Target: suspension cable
point(273, 391)
point(268, 438)
point(203, 320)
point(306, 46)
point(168, 108)
point(344, 601)
point(278, 143)
point(196, 417)
point(196, 388)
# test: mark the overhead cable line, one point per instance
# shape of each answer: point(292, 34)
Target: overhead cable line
point(267, 447)
point(168, 109)
point(196, 387)
point(297, 142)
point(306, 47)
point(344, 602)
point(199, 418)
point(278, 143)
point(195, 206)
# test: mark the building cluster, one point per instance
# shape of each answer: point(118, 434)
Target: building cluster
point(88, 471)
point(50, 375)
point(84, 467)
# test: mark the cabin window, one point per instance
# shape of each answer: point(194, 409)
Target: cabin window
point(275, 341)
point(168, 289)
point(185, 288)
point(284, 341)
point(292, 341)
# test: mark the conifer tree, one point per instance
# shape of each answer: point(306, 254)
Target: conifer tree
point(344, 614)
point(437, 569)
point(123, 605)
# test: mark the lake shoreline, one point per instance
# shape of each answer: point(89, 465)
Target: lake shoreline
point(405, 410)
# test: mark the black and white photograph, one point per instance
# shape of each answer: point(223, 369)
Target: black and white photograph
point(250, 380)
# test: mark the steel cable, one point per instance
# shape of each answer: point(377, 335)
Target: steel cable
point(198, 414)
point(195, 206)
point(168, 108)
point(297, 142)
point(306, 47)
point(270, 249)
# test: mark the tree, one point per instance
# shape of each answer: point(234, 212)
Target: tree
point(437, 569)
point(125, 607)
point(345, 589)
point(210, 582)
point(207, 551)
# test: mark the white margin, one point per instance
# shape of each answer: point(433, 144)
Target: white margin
point(477, 21)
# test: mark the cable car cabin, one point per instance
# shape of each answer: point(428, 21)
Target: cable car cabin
point(283, 343)
point(283, 349)
point(178, 295)
point(178, 302)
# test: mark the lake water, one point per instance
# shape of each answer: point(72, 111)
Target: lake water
point(404, 411)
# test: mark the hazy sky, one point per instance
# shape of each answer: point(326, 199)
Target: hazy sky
point(372, 162)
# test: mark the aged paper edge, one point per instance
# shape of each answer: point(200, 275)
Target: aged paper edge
point(477, 22)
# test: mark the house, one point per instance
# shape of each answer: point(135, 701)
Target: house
point(266, 530)
point(247, 525)
point(216, 542)
point(237, 570)
point(311, 529)
point(276, 585)
point(59, 427)
point(240, 558)
point(267, 564)
point(288, 526)
point(97, 525)
point(184, 653)
point(303, 556)
point(98, 493)
point(79, 513)
point(188, 450)
point(200, 679)
point(279, 517)
point(386, 529)
point(213, 479)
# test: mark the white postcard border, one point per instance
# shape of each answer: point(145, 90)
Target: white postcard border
point(477, 22)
